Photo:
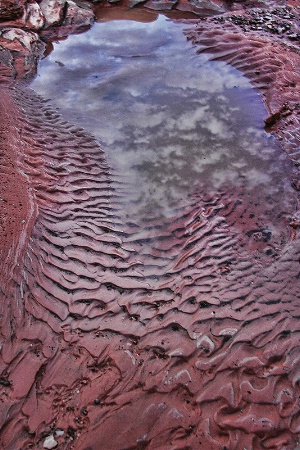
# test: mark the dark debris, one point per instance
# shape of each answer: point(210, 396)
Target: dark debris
point(277, 21)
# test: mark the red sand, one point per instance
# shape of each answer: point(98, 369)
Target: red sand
point(18, 208)
point(179, 335)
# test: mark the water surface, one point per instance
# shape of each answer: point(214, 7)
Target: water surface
point(170, 121)
point(144, 323)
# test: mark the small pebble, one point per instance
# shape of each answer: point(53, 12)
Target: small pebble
point(59, 432)
point(50, 442)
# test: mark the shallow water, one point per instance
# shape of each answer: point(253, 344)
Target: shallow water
point(156, 304)
point(169, 120)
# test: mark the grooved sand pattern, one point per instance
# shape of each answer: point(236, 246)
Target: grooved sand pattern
point(182, 333)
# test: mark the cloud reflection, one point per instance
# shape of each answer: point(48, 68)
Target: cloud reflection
point(167, 117)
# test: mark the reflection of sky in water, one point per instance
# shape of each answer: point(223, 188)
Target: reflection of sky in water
point(167, 117)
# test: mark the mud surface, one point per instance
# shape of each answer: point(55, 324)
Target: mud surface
point(129, 331)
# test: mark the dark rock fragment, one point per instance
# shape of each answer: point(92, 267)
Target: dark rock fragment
point(11, 9)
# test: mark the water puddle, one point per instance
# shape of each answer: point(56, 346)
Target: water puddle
point(160, 295)
point(170, 121)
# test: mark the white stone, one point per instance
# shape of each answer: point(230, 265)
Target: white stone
point(33, 17)
point(24, 38)
point(59, 432)
point(50, 442)
point(53, 11)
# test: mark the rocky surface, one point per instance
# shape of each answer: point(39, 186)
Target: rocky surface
point(20, 51)
point(11, 9)
point(27, 26)
point(171, 335)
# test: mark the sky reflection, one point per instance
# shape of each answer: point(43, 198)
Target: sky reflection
point(168, 119)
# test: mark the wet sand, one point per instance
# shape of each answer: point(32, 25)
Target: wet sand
point(182, 333)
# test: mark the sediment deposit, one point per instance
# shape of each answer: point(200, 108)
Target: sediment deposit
point(131, 334)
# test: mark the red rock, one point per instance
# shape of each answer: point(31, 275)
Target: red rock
point(53, 11)
point(32, 18)
point(21, 51)
point(78, 16)
point(11, 9)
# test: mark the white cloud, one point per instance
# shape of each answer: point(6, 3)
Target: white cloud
point(162, 112)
